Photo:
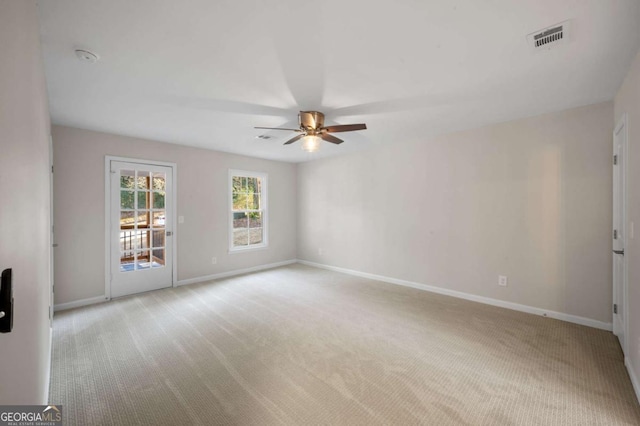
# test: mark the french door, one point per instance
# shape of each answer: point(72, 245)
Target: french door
point(140, 227)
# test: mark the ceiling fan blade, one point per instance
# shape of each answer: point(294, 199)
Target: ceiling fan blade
point(345, 128)
point(293, 139)
point(330, 138)
point(277, 128)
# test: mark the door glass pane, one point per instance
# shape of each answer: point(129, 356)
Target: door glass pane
point(143, 219)
point(143, 200)
point(127, 219)
point(143, 239)
point(158, 199)
point(127, 241)
point(158, 219)
point(126, 261)
point(159, 181)
point(158, 238)
point(127, 179)
point(126, 199)
point(143, 179)
point(158, 258)
point(143, 260)
point(130, 240)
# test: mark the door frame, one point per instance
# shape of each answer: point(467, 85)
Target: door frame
point(107, 216)
point(623, 125)
point(52, 242)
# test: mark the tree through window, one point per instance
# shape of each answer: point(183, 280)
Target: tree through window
point(248, 210)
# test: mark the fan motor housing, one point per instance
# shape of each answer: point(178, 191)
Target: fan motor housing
point(311, 120)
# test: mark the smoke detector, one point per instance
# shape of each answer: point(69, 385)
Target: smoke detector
point(550, 37)
point(86, 56)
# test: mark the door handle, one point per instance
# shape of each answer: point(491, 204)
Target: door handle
point(619, 252)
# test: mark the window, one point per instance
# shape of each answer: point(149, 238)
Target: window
point(248, 216)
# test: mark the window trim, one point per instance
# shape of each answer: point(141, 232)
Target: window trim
point(265, 210)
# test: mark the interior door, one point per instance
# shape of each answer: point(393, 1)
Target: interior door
point(619, 234)
point(141, 232)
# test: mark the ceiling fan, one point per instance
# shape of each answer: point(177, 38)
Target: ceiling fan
point(312, 130)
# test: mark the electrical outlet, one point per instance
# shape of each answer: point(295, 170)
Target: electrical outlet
point(180, 219)
point(320, 252)
point(502, 280)
point(214, 260)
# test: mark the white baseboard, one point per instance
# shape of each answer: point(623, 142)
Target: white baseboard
point(234, 272)
point(100, 299)
point(472, 297)
point(632, 375)
point(79, 303)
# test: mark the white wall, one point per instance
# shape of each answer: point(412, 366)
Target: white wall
point(202, 200)
point(628, 101)
point(530, 199)
point(24, 204)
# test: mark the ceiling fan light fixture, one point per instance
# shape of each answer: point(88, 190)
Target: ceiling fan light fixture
point(312, 131)
point(311, 143)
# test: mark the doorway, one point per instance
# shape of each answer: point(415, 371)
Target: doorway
point(620, 308)
point(140, 214)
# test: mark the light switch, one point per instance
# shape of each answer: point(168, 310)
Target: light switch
point(180, 219)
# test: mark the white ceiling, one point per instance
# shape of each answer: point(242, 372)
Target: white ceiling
point(204, 73)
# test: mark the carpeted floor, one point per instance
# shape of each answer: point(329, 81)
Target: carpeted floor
point(299, 345)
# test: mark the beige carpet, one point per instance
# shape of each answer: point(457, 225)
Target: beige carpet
point(298, 345)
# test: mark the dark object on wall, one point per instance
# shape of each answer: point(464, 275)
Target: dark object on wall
point(6, 302)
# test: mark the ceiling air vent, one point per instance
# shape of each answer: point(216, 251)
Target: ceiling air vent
point(549, 37)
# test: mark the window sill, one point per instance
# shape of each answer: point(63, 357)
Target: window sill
point(248, 248)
